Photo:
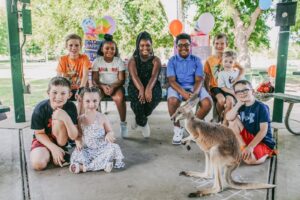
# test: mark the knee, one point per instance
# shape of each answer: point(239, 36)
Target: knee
point(118, 97)
point(174, 102)
point(221, 101)
point(250, 161)
point(39, 164)
point(206, 104)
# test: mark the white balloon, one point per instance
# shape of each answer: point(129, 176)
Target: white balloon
point(205, 23)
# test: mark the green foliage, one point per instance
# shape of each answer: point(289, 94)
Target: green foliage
point(32, 48)
point(3, 33)
point(296, 29)
point(54, 19)
point(224, 22)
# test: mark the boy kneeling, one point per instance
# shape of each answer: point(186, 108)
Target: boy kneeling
point(54, 122)
point(253, 127)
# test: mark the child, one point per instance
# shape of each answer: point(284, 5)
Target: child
point(225, 81)
point(95, 148)
point(212, 67)
point(74, 66)
point(253, 127)
point(109, 75)
point(54, 121)
point(185, 76)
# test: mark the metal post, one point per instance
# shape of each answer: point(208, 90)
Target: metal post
point(15, 59)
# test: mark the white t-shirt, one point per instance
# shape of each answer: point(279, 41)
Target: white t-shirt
point(226, 78)
point(108, 72)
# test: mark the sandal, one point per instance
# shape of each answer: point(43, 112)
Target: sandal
point(75, 168)
point(108, 167)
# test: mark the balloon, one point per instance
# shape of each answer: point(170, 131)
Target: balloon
point(87, 23)
point(112, 23)
point(265, 4)
point(272, 71)
point(175, 27)
point(205, 23)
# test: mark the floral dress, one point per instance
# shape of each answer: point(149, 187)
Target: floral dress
point(97, 153)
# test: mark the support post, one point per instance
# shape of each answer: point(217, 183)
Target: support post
point(15, 59)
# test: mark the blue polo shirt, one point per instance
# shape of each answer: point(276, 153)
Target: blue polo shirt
point(185, 69)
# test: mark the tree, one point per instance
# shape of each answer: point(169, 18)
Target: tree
point(51, 25)
point(3, 33)
point(242, 20)
point(295, 30)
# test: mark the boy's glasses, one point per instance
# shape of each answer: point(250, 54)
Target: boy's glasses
point(244, 91)
point(186, 45)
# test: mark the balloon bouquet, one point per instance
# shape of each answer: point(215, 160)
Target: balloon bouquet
point(93, 34)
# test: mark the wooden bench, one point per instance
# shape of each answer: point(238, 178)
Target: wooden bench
point(291, 99)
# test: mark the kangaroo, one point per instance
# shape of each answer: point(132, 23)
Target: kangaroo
point(221, 149)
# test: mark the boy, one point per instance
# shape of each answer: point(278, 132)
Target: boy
point(212, 67)
point(54, 121)
point(185, 74)
point(253, 127)
point(74, 66)
point(225, 81)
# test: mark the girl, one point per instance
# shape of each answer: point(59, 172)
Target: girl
point(74, 66)
point(109, 75)
point(96, 149)
point(144, 89)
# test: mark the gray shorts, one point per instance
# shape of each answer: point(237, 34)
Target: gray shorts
point(202, 94)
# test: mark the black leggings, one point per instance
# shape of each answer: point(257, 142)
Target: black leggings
point(142, 111)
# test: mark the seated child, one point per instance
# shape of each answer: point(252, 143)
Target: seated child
point(96, 149)
point(54, 121)
point(225, 81)
point(253, 127)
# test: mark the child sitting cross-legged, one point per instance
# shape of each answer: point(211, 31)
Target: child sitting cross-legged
point(95, 147)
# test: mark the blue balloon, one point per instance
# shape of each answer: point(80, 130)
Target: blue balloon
point(265, 4)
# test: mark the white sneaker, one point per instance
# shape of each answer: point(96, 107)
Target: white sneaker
point(123, 129)
point(178, 135)
point(108, 167)
point(145, 130)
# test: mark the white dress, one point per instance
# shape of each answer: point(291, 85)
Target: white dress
point(96, 152)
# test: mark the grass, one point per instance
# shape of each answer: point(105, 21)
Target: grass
point(38, 92)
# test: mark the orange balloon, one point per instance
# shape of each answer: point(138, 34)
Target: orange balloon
point(272, 71)
point(175, 27)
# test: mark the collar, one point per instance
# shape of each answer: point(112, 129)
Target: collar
point(184, 59)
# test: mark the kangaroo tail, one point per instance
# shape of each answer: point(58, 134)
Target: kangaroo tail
point(242, 186)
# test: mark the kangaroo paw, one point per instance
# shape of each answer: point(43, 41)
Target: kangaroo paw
point(188, 147)
point(183, 173)
point(194, 194)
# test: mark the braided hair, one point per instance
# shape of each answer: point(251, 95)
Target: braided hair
point(142, 36)
point(107, 38)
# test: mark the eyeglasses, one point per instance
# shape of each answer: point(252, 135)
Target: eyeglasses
point(186, 45)
point(244, 91)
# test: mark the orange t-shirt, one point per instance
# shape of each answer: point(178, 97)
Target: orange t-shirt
point(212, 67)
point(72, 69)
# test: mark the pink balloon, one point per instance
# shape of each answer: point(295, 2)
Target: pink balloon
point(112, 23)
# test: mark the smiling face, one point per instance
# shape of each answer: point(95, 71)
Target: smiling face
point(183, 46)
point(109, 50)
point(220, 45)
point(244, 92)
point(91, 101)
point(58, 96)
point(73, 46)
point(145, 48)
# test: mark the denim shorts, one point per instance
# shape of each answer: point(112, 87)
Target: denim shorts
point(202, 94)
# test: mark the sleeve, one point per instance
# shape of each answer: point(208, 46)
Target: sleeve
point(264, 114)
point(121, 65)
point(86, 62)
point(199, 67)
point(95, 64)
point(37, 119)
point(72, 112)
point(221, 80)
point(171, 68)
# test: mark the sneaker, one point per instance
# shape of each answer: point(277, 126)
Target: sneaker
point(178, 135)
point(145, 130)
point(123, 129)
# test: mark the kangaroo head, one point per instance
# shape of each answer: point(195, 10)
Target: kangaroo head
point(183, 111)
